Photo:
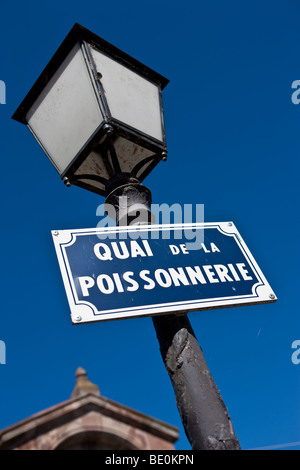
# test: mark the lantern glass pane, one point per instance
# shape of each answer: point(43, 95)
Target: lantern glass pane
point(66, 113)
point(132, 99)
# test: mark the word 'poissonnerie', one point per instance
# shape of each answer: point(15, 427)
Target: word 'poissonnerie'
point(187, 276)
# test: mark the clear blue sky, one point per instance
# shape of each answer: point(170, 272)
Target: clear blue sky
point(233, 140)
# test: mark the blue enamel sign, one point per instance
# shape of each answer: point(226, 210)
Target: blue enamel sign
point(123, 272)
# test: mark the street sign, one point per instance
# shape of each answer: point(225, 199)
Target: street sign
point(124, 272)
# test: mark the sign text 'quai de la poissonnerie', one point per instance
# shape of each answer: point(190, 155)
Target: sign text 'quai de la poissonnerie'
point(127, 272)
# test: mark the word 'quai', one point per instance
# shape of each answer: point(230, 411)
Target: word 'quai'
point(121, 251)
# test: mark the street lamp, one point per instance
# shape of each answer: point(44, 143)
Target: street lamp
point(97, 113)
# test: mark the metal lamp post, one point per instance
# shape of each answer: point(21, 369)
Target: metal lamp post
point(97, 113)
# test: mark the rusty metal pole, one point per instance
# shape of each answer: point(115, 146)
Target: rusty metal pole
point(203, 413)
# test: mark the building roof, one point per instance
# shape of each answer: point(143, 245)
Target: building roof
point(88, 421)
